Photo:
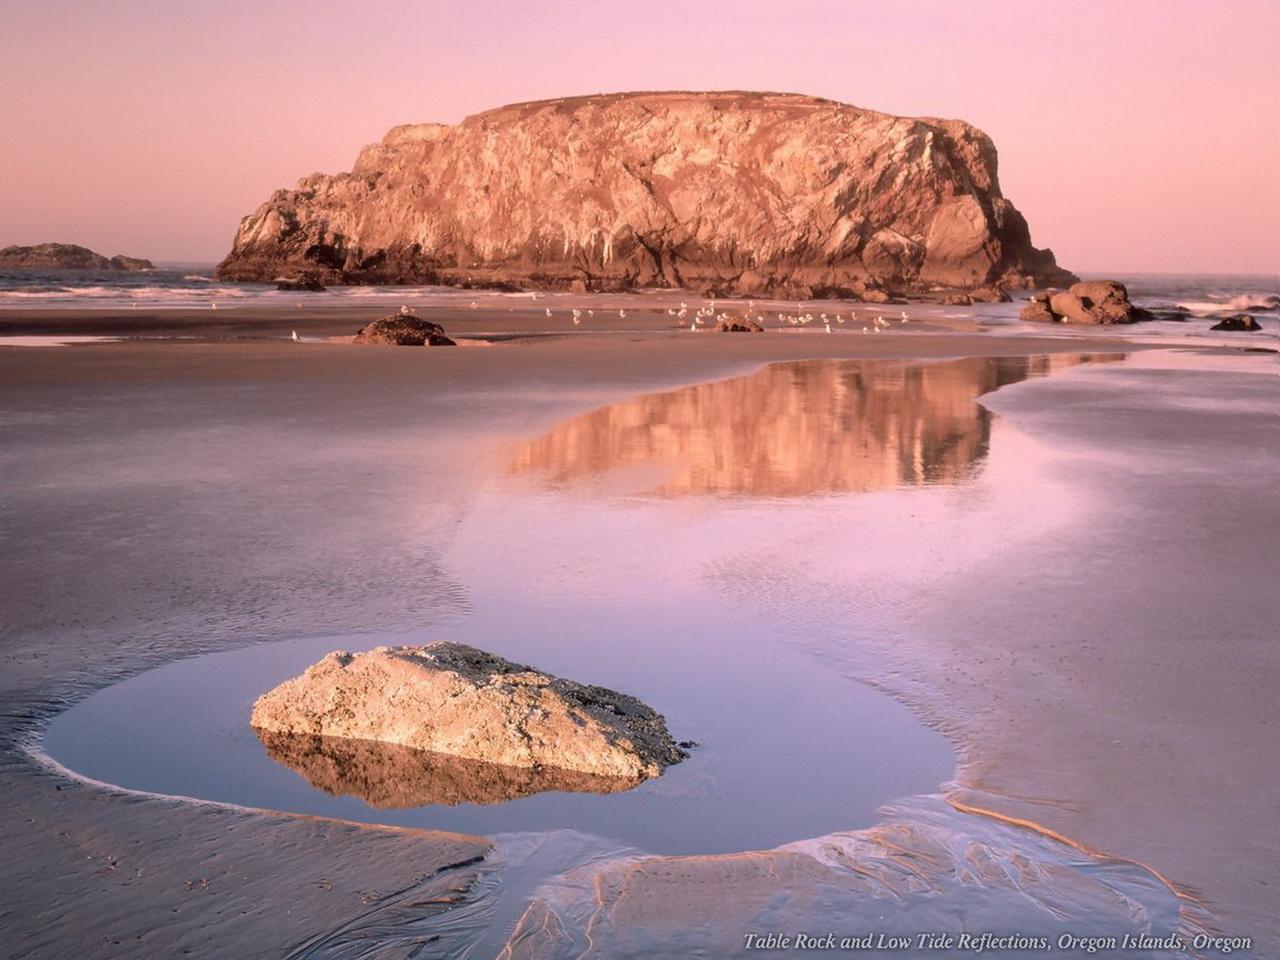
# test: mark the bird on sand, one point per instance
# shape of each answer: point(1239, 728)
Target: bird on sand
point(296, 338)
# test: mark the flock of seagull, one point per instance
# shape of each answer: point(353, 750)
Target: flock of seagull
point(705, 313)
point(708, 313)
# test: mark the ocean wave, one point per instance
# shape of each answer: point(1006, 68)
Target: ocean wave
point(1245, 301)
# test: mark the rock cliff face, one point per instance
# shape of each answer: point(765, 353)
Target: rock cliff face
point(66, 256)
point(724, 193)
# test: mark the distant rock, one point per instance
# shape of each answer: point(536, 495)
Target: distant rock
point(977, 295)
point(403, 330)
point(448, 698)
point(302, 284)
point(66, 256)
point(724, 193)
point(1240, 323)
point(120, 262)
point(738, 325)
point(1095, 302)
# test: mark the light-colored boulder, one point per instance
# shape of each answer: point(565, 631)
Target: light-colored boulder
point(453, 699)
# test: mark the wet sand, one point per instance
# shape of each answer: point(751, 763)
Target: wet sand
point(116, 562)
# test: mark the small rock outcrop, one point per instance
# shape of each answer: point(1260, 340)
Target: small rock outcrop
point(403, 330)
point(1095, 302)
point(738, 325)
point(722, 192)
point(1240, 323)
point(452, 699)
point(66, 256)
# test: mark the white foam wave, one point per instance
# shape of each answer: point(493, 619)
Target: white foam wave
point(1246, 301)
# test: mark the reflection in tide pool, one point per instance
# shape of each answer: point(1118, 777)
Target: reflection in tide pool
point(797, 429)
point(388, 775)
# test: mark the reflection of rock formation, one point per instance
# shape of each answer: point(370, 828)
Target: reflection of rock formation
point(794, 429)
point(387, 775)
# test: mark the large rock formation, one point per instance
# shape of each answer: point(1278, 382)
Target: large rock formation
point(66, 256)
point(453, 699)
point(745, 193)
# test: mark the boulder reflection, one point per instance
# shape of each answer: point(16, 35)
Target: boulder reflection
point(387, 775)
point(796, 429)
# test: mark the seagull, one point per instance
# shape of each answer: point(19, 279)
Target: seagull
point(405, 311)
point(693, 327)
point(548, 313)
point(622, 314)
point(828, 326)
point(473, 304)
point(296, 338)
point(213, 306)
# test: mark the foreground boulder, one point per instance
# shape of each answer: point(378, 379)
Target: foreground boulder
point(403, 330)
point(1241, 323)
point(743, 193)
point(452, 699)
point(67, 256)
point(1090, 302)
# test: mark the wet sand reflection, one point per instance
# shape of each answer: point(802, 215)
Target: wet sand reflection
point(796, 429)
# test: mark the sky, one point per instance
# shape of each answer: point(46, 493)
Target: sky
point(1136, 135)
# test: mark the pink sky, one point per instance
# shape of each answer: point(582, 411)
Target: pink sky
point(1134, 134)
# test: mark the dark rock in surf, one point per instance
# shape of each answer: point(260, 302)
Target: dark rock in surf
point(1240, 323)
point(299, 284)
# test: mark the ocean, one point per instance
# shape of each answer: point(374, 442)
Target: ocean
point(194, 286)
